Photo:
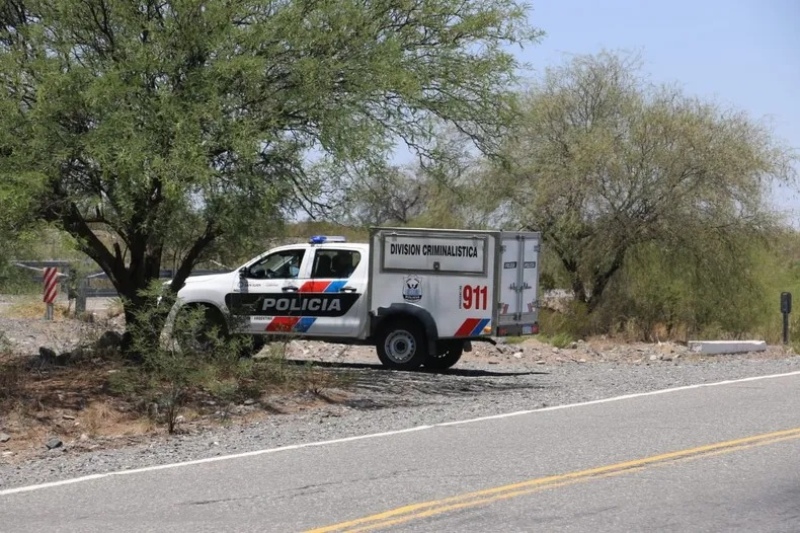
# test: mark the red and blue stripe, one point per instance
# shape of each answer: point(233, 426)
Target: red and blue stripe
point(472, 327)
point(301, 324)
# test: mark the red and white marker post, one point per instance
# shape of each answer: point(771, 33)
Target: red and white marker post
point(50, 290)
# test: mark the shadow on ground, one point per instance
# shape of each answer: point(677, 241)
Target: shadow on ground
point(374, 387)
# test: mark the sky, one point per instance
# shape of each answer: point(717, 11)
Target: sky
point(741, 53)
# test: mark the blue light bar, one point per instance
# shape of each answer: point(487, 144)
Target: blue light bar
point(322, 239)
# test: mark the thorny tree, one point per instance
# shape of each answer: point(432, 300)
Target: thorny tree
point(140, 126)
point(603, 162)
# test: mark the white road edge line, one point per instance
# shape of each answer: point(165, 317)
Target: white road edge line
point(91, 477)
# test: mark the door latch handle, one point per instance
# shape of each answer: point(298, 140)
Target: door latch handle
point(289, 289)
point(348, 288)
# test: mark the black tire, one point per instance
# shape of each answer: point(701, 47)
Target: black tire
point(449, 354)
point(201, 339)
point(402, 344)
point(252, 349)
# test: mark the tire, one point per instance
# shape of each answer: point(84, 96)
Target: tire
point(200, 339)
point(252, 349)
point(402, 345)
point(449, 354)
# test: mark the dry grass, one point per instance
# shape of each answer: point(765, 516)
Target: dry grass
point(104, 403)
point(30, 307)
point(115, 308)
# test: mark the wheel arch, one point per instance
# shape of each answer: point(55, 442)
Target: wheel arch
point(219, 314)
point(386, 315)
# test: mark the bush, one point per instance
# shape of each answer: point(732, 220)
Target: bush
point(664, 295)
point(197, 361)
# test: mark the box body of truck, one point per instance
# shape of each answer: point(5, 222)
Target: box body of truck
point(472, 283)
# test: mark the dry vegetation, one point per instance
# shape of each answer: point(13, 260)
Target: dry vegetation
point(91, 396)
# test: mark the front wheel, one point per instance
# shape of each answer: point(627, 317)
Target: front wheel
point(448, 355)
point(402, 345)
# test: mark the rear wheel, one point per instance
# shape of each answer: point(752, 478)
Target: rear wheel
point(449, 353)
point(401, 345)
point(251, 345)
point(198, 328)
point(202, 328)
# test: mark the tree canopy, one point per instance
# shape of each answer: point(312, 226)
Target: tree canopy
point(604, 162)
point(147, 124)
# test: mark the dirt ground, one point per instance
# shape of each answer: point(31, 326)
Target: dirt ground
point(44, 406)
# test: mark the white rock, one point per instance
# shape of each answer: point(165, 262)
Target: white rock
point(722, 347)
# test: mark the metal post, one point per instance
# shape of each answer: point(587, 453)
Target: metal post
point(50, 279)
point(786, 308)
point(80, 298)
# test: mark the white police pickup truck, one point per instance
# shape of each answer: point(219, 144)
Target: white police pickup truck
point(419, 295)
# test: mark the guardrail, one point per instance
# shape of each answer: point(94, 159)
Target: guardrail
point(99, 286)
point(95, 285)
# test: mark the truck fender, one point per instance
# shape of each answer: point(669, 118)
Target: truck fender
point(421, 314)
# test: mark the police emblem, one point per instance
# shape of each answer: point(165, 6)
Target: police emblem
point(411, 289)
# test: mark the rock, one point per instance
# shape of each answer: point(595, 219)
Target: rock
point(110, 340)
point(249, 401)
point(7, 454)
point(5, 437)
point(84, 437)
point(654, 357)
point(68, 417)
point(46, 355)
point(581, 360)
point(540, 362)
point(574, 345)
point(53, 443)
point(556, 350)
point(518, 355)
point(180, 419)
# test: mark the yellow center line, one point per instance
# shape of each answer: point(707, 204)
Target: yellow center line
point(483, 497)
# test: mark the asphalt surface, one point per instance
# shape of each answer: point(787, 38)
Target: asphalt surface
point(746, 486)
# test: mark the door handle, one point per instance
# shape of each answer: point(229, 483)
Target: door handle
point(289, 289)
point(348, 288)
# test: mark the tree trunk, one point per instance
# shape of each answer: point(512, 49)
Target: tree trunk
point(132, 278)
point(602, 278)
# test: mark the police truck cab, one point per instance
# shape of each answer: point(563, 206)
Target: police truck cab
point(420, 296)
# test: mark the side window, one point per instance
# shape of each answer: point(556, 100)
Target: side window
point(280, 265)
point(336, 264)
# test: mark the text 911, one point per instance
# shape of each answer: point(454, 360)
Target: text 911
point(474, 297)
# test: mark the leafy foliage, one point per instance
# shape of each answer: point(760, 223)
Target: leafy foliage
point(608, 166)
point(200, 126)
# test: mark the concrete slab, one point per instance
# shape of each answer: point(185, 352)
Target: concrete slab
point(719, 347)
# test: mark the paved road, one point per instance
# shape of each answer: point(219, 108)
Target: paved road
point(720, 458)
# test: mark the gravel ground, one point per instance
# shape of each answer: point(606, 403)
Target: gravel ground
point(489, 380)
point(507, 380)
